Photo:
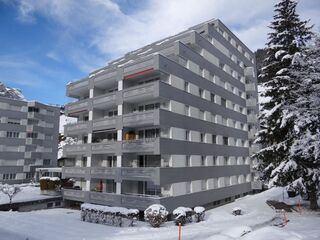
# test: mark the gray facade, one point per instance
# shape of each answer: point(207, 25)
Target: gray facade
point(28, 139)
point(167, 123)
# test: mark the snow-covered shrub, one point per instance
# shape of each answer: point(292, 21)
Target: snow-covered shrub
point(199, 213)
point(237, 211)
point(182, 215)
point(156, 215)
point(114, 216)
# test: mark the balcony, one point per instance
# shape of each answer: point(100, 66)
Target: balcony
point(252, 118)
point(249, 72)
point(77, 128)
point(105, 79)
point(76, 149)
point(251, 102)
point(121, 173)
point(251, 134)
point(141, 174)
point(141, 93)
point(76, 107)
point(75, 195)
point(148, 145)
point(251, 87)
point(103, 172)
point(122, 200)
point(138, 119)
point(104, 123)
point(78, 89)
point(105, 101)
point(75, 172)
point(104, 147)
point(139, 66)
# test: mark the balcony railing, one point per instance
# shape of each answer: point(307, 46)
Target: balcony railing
point(251, 87)
point(106, 99)
point(78, 84)
point(142, 92)
point(143, 145)
point(77, 106)
point(76, 127)
point(76, 148)
point(140, 118)
point(251, 102)
point(75, 195)
point(105, 147)
point(252, 118)
point(104, 123)
point(103, 172)
point(121, 173)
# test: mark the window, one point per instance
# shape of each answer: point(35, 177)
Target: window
point(201, 92)
point(112, 113)
point(187, 135)
point(32, 135)
point(201, 71)
point(46, 162)
point(223, 102)
point(29, 175)
point(33, 121)
point(186, 86)
point(48, 137)
point(33, 109)
point(201, 137)
point(225, 140)
point(187, 110)
point(188, 161)
point(201, 114)
point(14, 121)
point(188, 187)
point(141, 134)
point(12, 134)
point(203, 160)
point(152, 133)
point(214, 139)
point(212, 96)
point(149, 107)
point(203, 185)
point(183, 61)
point(8, 176)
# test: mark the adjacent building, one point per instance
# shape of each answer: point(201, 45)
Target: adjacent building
point(170, 123)
point(28, 138)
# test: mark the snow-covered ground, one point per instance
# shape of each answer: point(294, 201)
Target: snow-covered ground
point(28, 193)
point(219, 224)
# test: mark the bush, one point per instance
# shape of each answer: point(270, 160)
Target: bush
point(182, 215)
point(114, 216)
point(237, 211)
point(199, 213)
point(156, 215)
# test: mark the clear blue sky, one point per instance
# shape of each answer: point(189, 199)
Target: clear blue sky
point(44, 44)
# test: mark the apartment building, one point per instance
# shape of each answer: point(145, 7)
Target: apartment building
point(28, 138)
point(170, 123)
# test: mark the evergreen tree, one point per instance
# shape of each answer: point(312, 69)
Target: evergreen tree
point(302, 168)
point(289, 34)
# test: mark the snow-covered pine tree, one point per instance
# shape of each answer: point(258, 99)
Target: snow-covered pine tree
point(302, 168)
point(289, 34)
